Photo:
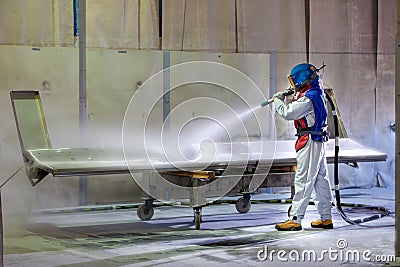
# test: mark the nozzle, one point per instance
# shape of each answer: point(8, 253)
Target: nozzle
point(288, 91)
point(267, 102)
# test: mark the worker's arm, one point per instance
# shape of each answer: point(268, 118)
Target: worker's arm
point(294, 110)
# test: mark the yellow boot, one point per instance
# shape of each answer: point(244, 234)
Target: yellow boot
point(288, 226)
point(324, 224)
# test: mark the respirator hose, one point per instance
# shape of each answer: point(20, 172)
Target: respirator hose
point(338, 204)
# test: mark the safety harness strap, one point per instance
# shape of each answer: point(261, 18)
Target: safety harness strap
point(308, 130)
point(323, 133)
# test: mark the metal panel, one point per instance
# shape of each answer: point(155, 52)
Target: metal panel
point(94, 161)
point(29, 119)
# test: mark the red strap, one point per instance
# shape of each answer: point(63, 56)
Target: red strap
point(302, 92)
point(301, 123)
point(301, 142)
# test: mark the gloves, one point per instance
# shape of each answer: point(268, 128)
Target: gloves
point(280, 95)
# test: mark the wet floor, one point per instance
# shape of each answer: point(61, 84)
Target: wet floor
point(114, 236)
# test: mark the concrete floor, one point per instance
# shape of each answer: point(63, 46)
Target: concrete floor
point(116, 237)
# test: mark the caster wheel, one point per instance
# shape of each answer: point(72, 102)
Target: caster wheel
point(144, 213)
point(240, 206)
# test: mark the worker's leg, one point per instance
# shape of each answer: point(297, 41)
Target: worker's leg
point(301, 196)
point(306, 173)
point(322, 194)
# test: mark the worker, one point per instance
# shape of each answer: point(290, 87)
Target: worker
point(309, 112)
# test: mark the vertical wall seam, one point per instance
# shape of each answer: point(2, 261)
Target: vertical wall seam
point(123, 41)
point(183, 25)
point(160, 19)
point(56, 23)
point(236, 28)
point(138, 24)
point(307, 27)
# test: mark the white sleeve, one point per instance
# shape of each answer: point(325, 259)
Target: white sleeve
point(294, 110)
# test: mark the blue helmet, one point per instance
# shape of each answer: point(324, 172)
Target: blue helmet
point(302, 74)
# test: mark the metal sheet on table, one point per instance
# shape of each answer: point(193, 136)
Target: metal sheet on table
point(92, 161)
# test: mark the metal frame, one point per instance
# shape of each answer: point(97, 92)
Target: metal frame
point(397, 142)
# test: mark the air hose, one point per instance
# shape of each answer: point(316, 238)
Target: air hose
point(384, 211)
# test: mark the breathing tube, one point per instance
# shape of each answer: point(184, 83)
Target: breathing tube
point(384, 211)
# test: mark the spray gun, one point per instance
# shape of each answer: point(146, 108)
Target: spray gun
point(288, 91)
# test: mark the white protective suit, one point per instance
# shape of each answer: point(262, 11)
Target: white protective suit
point(311, 178)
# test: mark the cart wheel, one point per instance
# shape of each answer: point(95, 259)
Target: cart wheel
point(288, 211)
point(240, 206)
point(144, 213)
point(197, 219)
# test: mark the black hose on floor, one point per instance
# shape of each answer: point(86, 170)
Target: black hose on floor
point(384, 211)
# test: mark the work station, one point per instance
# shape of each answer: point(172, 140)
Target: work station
point(199, 132)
